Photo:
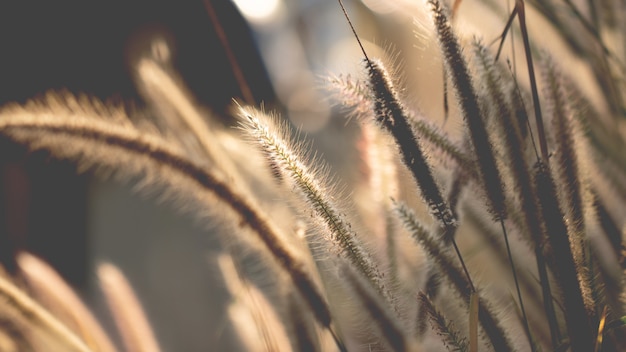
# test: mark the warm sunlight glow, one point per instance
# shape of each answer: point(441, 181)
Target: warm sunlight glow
point(258, 10)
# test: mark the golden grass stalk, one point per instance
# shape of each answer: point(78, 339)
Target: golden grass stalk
point(55, 294)
point(128, 314)
point(36, 321)
point(89, 137)
point(258, 325)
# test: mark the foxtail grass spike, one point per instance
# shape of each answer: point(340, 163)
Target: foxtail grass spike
point(472, 114)
point(451, 337)
point(514, 148)
point(457, 280)
point(566, 154)
point(573, 184)
point(278, 148)
point(390, 330)
point(356, 96)
point(567, 278)
point(392, 116)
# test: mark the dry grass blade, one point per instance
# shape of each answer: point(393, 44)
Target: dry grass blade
point(52, 291)
point(601, 325)
point(128, 314)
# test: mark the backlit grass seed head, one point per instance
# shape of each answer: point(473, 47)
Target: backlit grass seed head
point(472, 113)
point(450, 336)
point(454, 276)
point(389, 329)
point(576, 314)
point(393, 117)
point(278, 148)
point(356, 97)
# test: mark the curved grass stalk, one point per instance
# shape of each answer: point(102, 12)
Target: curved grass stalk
point(37, 320)
point(128, 314)
point(59, 298)
point(91, 138)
